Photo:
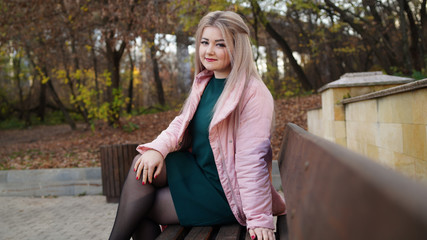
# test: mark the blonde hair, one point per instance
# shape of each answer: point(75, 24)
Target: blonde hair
point(236, 35)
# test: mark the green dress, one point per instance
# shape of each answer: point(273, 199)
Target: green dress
point(193, 178)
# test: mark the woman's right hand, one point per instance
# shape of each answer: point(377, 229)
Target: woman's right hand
point(150, 164)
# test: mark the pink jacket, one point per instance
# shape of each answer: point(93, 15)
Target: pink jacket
point(242, 155)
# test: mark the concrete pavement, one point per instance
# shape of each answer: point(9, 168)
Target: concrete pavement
point(64, 217)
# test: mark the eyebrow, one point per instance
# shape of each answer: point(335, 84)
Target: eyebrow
point(218, 40)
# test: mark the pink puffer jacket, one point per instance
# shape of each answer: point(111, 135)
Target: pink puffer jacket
point(243, 155)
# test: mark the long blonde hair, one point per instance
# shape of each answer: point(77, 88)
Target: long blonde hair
point(236, 36)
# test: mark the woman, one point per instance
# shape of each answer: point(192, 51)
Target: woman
point(217, 152)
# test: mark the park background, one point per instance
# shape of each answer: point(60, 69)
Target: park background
point(75, 75)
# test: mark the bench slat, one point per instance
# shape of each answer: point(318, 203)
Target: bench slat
point(333, 193)
point(199, 233)
point(229, 232)
point(282, 228)
point(173, 232)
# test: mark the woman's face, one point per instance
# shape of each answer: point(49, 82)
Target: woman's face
point(213, 52)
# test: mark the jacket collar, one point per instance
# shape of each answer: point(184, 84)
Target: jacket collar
point(233, 98)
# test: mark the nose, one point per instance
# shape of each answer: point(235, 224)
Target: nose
point(209, 50)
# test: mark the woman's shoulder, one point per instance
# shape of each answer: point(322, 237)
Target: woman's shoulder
point(256, 87)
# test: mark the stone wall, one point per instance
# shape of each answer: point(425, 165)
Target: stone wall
point(384, 120)
point(390, 127)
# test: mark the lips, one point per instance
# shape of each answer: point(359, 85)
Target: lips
point(210, 59)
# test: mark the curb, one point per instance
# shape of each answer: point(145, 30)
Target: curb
point(65, 182)
point(51, 182)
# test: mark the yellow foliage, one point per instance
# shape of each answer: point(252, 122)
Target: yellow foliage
point(61, 75)
point(45, 78)
point(107, 75)
point(88, 47)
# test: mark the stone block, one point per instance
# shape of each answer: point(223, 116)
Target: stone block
point(88, 189)
point(340, 93)
point(372, 152)
point(59, 189)
point(92, 173)
point(390, 137)
point(419, 106)
point(328, 130)
point(385, 110)
point(20, 189)
point(69, 174)
point(3, 176)
point(314, 122)
point(341, 141)
point(395, 108)
point(386, 156)
point(328, 105)
point(404, 164)
point(421, 170)
point(339, 129)
point(353, 145)
point(365, 132)
point(357, 91)
point(363, 111)
point(339, 112)
point(351, 130)
point(414, 140)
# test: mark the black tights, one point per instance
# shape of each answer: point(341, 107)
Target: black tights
point(143, 207)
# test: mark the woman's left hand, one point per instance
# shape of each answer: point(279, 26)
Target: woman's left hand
point(262, 234)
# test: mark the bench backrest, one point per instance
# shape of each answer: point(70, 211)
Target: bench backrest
point(333, 193)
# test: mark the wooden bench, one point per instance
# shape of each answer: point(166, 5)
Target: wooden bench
point(115, 164)
point(333, 193)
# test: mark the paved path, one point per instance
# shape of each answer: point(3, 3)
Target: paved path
point(64, 217)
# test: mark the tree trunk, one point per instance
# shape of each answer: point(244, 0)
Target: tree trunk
point(56, 98)
point(403, 29)
point(80, 105)
point(42, 101)
point(415, 46)
point(423, 14)
point(95, 69)
point(17, 72)
point(157, 79)
point(130, 89)
point(114, 57)
point(183, 62)
point(272, 67)
point(306, 84)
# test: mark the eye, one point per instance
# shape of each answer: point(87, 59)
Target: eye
point(204, 42)
point(222, 45)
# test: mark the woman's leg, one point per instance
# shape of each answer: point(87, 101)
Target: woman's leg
point(162, 212)
point(136, 202)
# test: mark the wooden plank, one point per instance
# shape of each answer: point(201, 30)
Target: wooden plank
point(122, 165)
point(115, 176)
point(282, 228)
point(200, 233)
point(229, 232)
point(110, 176)
point(104, 175)
point(173, 232)
point(332, 193)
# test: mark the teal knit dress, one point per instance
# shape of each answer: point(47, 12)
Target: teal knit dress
point(193, 178)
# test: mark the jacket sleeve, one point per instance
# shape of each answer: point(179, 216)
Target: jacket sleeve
point(168, 140)
point(252, 147)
